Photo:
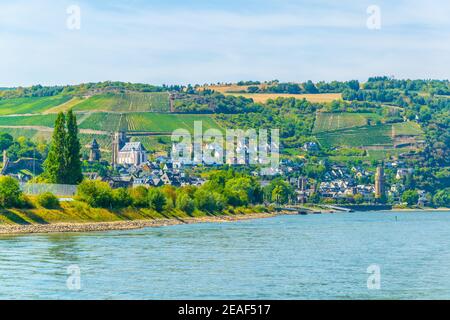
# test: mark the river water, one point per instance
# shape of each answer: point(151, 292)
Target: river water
point(287, 257)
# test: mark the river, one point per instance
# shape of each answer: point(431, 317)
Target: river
point(323, 256)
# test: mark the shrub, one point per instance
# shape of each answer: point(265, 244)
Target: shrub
point(139, 196)
point(95, 193)
point(156, 199)
point(121, 198)
point(209, 201)
point(410, 197)
point(48, 200)
point(442, 198)
point(185, 203)
point(10, 193)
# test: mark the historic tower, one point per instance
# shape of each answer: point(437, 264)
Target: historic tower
point(379, 182)
point(94, 151)
point(119, 140)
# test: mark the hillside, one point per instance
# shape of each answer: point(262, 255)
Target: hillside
point(380, 118)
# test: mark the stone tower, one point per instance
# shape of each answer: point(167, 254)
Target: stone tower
point(94, 151)
point(119, 140)
point(379, 182)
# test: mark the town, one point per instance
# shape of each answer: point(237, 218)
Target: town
point(131, 166)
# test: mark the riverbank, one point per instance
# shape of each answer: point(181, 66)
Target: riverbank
point(79, 217)
point(61, 227)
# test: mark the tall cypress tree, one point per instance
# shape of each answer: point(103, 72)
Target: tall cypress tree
point(73, 151)
point(55, 164)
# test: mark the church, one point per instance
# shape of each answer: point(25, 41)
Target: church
point(132, 153)
point(127, 153)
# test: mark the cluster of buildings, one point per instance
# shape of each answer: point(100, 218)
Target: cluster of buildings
point(132, 167)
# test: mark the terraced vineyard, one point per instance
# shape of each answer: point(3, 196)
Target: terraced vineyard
point(31, 105)
point(102, 121)
point(36, 120)
point(336, 121)
point(32, 134)
point(380, 135)
point(409, 128)
point(160, 122)
point(126, 102)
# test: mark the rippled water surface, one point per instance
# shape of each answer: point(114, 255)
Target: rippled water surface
point(287, 257)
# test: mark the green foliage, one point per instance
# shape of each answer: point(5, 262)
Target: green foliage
point(279, 191)
point(55, 169)
point(185, 203)
point(156, 199)
point(6, 140)
point(73, 149)
point(63, 163)
point(26, 105)
point(208, 201)
point(442, 198)
point(10, 193)
point(139, 196)
point(410, 197)
point(95, 193)
point(242, 191)
point(48, 200)
point(121, 198)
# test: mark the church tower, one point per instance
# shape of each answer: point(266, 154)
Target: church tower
point(119, 140)
point(379, 182)
point(94, 151)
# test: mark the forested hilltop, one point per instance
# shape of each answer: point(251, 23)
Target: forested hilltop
point(348, 123)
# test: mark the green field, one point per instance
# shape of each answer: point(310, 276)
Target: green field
point(32, 134)
point(37, 120)
point(409, 128)
point(102, 121)
point(358, 137)
point(30, 105)
point(336, 121)
point(126, 102)
point(147, 122)
point(161, 122)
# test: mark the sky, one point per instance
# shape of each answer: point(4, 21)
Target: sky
point(210, 41)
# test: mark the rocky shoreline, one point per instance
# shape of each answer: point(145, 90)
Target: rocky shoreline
point(123, 225)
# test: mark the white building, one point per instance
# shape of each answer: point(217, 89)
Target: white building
point(132, 153)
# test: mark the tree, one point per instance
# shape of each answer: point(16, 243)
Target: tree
point(139, 195)
point(6, 140)
point(73, 155)
point(279, 191)
point(95, 193)
point(156, 199)
point(48, 200)
point(121, 198)
point(410, 197)
point(310, 87)
point(442, 198)
point(208, 201)
point(358, 198)
point(185, 203)
point(242, 191)
point(55, 169)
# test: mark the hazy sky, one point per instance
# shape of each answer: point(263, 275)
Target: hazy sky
point(203, 41)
